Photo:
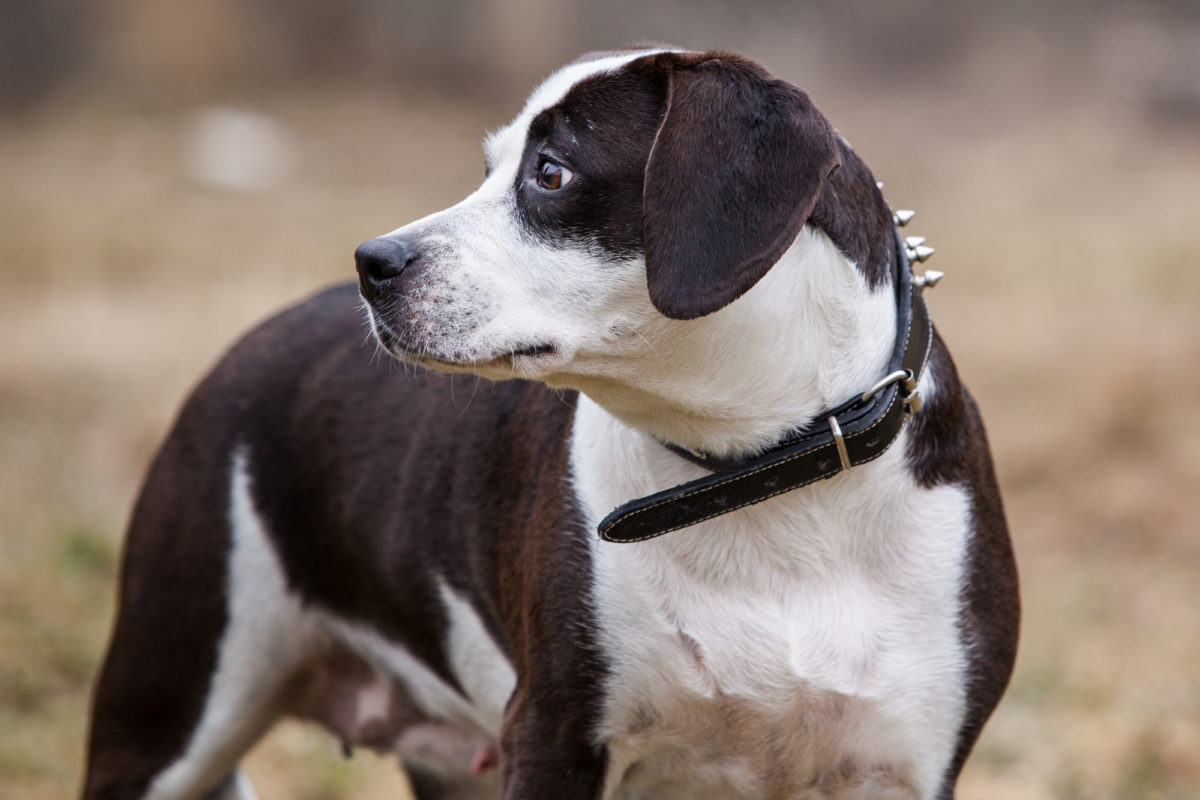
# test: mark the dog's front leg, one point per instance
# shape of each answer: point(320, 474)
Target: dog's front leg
point(546, 749)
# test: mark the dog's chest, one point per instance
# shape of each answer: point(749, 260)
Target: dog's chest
point(805, 647)
point(737, 695)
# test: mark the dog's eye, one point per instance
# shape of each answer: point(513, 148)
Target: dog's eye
point(553, 176)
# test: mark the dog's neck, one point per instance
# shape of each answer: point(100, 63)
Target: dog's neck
point(810, 335)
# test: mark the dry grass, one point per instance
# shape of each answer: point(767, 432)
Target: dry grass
point(1067, 229)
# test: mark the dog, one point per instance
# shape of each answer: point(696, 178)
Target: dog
point(806, 588)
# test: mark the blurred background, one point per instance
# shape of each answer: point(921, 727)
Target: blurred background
point(172, 172)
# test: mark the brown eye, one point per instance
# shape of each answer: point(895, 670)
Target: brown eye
point(552, 176)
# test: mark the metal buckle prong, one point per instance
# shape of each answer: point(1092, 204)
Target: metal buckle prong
point(908, 382)
point(840, 442)
point(887, 380)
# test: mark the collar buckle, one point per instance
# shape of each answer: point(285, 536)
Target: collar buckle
point(908, 385)
point(840, 441)
point(909, 396)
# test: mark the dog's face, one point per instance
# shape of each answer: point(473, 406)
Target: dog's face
point(632, 191)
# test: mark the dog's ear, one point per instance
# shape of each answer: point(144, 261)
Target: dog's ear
point(736, 168)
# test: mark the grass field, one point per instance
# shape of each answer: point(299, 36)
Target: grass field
point(1067, 225)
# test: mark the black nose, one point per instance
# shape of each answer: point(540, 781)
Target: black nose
point(380, 260)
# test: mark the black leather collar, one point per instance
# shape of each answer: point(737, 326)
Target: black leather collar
point(858, 431)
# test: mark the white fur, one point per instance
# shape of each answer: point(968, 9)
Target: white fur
point(847, 588)
point(266, 634)
point(805, 337)
point(481, 669)
point(270, 633)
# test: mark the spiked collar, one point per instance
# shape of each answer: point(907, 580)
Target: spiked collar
point(838, 439)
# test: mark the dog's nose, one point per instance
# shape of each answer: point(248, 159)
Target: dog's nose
point(379, 260)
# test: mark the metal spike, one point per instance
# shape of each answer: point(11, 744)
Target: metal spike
point(914, 241)
point(920, 253)
point(903, 216)
point(879, 185)
point(929, 280)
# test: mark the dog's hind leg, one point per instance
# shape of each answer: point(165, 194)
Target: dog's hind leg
point(234, 787)
point(205, 640)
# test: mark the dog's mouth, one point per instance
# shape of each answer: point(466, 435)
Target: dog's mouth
point(506, 360)
point(533, 351)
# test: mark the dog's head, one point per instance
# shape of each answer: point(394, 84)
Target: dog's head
point(633, 189)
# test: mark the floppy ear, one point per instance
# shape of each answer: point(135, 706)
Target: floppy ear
point(736, 168)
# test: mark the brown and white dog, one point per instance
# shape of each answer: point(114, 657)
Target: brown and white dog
point(683, 250)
